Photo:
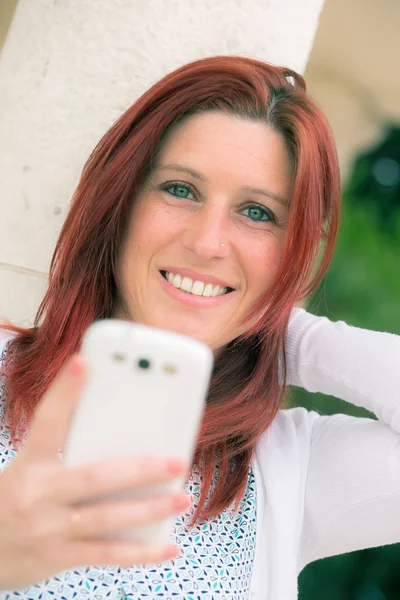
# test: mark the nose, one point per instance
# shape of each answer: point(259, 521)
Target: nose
point(206, 233)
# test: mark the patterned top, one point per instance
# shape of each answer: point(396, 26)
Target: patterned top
point(216, 560)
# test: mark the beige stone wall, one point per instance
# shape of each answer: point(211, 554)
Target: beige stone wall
point(352, 70)
point(7, 8)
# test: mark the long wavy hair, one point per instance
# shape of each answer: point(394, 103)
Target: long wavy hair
point(249, 379)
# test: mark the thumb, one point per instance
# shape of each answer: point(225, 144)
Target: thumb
point(53, 414)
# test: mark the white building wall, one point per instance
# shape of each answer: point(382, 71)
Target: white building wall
point(68, 69)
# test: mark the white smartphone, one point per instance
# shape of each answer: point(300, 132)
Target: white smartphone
point(144, 395)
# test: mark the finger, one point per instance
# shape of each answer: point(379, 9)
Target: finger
point(79, 484)
point(108, 518)
point(123, 554)
point(53, 414)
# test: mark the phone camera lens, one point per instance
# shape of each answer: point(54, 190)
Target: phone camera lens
point(144, 363)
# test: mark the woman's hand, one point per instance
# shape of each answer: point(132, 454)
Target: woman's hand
point(38, 533)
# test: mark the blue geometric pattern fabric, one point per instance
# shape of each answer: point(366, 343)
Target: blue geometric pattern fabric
point(216, 555)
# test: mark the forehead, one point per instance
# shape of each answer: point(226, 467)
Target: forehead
point(245, 151)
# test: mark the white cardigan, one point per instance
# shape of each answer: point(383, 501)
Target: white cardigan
point(327, 485)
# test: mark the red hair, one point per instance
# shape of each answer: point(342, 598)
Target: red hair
point(246, 391)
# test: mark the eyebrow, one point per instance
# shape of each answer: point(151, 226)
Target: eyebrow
point(245, 188)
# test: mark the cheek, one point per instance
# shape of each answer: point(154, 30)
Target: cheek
point(261, 264)
point(152, 226)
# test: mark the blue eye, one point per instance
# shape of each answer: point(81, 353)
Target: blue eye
point(258, 213)
point(181, 190)
point(255, 212)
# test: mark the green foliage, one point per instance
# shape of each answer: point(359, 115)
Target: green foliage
point(361, 288)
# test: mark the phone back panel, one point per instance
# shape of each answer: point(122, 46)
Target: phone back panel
point(128, 410)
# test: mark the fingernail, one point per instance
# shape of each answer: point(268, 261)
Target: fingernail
point(172, 551)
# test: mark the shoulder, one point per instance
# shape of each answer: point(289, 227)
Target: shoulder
point(289, 436)
point(7, 450)
point(293, 423)
point(5, 337)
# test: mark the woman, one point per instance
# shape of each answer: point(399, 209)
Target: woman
point(203, 210)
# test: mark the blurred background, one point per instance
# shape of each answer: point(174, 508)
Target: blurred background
point(353, 74)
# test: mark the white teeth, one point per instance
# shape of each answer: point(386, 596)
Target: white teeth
point(177, 281)
point(186, 284)
point(208, 290)
point(198, 288)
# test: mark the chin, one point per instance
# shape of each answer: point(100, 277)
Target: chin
point(193, 329)
point(196, 332)
point(192, 332)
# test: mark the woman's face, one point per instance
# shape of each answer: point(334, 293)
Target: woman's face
point(207, 230)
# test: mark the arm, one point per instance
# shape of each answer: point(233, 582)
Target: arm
point(352, 494)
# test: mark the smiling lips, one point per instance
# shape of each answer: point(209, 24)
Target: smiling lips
point(195, 287)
